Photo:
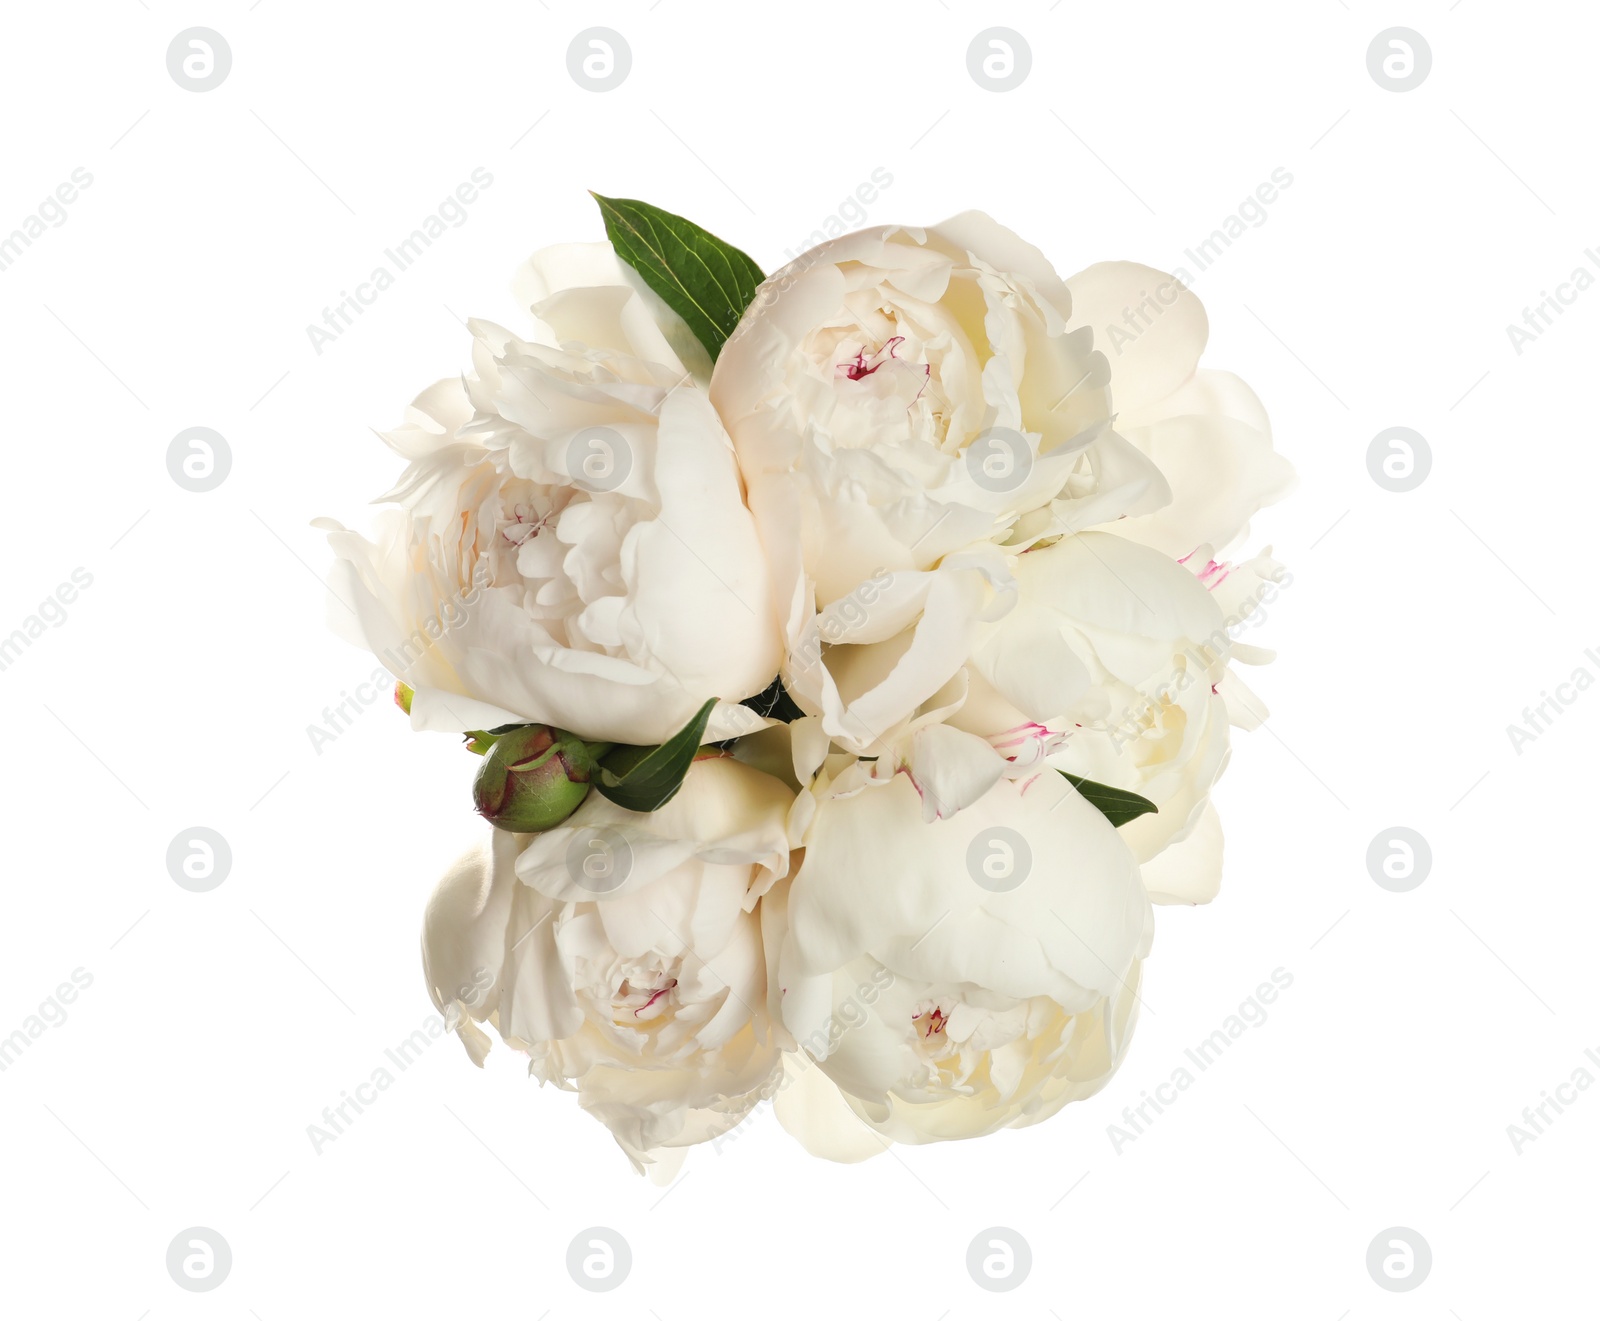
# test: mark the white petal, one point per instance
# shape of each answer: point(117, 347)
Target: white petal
point(1189, 871)
point(952, 769)
point(813, 1112)
point(1150, 327)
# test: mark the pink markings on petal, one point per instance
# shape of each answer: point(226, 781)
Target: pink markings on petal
point(1023, 733)
point(927, 380)
point(939, 812)
point(906, 771)
point(1033, 743)
point(655, 995)
point(858, 368)
point(525, 525)
point(1213, 575)
point(1024, 785)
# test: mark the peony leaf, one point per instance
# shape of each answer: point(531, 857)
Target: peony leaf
point(707, 282)
point(642, 779)
point(1118, 806)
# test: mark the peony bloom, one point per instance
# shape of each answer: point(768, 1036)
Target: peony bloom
point(626, 955)
point(1068, 608)
point(955, 977)
point(1113, 666)
point(570, 533)
point(909, 407)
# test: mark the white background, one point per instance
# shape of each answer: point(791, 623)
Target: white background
point(180, 687)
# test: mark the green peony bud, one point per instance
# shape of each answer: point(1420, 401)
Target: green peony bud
point(402, 696)
point(534, 777)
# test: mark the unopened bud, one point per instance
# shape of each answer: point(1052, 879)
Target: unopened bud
point(534, 778)
point(403, 696)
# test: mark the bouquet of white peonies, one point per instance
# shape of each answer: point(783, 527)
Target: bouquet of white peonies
point(849, 656)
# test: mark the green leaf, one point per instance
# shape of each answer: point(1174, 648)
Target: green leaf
point(707, 282)
point(1118, 806)
point(643, 779)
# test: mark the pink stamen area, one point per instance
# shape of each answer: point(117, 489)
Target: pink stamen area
point(534, 526)
point(857, 369)
point(1214, 574)
point(656, 995)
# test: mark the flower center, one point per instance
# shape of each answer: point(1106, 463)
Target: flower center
point(639, 1002)
point(858, 368)
point(527, 521)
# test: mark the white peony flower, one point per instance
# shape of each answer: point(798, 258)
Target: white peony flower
point(626, 955)
point(571, 544)
point(953, 977)
point(1062, 613)
point(1111, 667)
point(900, 399)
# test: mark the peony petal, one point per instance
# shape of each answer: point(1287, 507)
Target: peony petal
point(1188, 871)
point(1148, 324)
point(814, 1113)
